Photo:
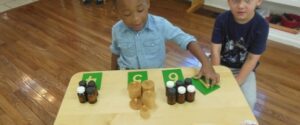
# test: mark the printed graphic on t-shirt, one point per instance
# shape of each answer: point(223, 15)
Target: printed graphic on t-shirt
point(234, 52)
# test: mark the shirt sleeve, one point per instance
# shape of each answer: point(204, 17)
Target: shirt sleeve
point(175, 34)
point(114, 44)
point(259, 43)
point(217, 31)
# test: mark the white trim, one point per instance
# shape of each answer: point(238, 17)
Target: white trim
point(294, 3)
point(222, 4)
point(274, 34)
point(284, 37)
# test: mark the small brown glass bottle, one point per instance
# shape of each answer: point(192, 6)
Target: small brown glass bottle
point(92, 84)
point(81, 94)
point(190, 95)
point(171, 95)
point(170, 84)
point(181, 94)
point(91, 95)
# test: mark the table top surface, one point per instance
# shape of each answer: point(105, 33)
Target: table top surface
point(224, 106)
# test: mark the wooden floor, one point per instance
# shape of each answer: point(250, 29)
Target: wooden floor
point(43, 44)
point(6, 5)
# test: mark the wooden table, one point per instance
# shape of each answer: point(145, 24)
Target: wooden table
point(225, 106)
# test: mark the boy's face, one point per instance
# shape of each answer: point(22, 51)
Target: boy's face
point(243, 10)
point(134, 13)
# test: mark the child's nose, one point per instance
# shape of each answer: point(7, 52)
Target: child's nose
point(136, 19)
point(242, 4)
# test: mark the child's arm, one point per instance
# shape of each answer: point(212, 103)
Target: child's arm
point(114, 64)
point(206, 69)
point(215, 56)
point(186, 41)
point(248, 66)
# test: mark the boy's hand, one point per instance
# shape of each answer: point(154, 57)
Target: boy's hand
point(210, 75)
point(206, 70)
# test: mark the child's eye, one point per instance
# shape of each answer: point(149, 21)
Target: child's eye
point(127, 14)
point(140, 10)
point(238, 1)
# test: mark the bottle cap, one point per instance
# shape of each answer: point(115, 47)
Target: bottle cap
point(181, 90)
point(179, 83)
point(82, 83)
point(170, 84)
point(80, 89)
point(191, 88)
point(188, 81)
point(91, 83)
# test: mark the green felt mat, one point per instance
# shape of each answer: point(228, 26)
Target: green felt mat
point(97, 77)
point(138, 76)
point(199, 84)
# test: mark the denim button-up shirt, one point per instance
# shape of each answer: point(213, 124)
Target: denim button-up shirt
point(146, 48)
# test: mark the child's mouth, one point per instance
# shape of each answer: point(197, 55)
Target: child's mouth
point(241, 13)
point(137, 27)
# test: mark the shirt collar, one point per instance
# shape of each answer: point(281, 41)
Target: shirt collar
point(148, 26)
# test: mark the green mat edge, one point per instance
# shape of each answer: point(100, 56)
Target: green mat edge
point(199, 84)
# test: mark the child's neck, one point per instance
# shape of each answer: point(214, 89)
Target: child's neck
point(246, 20)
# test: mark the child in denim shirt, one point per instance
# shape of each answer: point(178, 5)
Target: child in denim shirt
point(138, 39)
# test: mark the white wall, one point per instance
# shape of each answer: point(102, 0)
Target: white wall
point(279, 8)
point(292, 6)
